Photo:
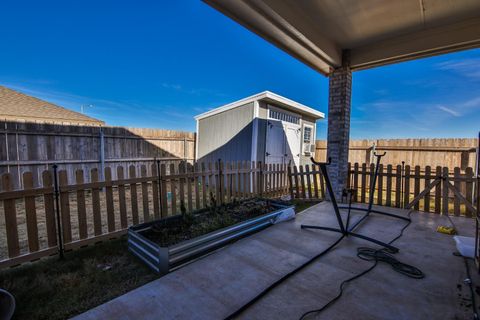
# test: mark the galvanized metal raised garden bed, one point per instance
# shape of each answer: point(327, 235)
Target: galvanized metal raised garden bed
point(164, 259)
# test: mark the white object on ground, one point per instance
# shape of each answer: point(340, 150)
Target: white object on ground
point(465, 245)
point(287, 214)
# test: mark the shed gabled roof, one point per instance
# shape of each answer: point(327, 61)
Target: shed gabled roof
point(16, 106)
point(268, 97)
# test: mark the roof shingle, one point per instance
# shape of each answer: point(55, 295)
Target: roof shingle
point(16, 106)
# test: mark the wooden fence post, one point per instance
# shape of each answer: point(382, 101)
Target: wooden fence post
point(406, 188)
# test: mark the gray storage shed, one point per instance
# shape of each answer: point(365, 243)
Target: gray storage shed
point(264, 127)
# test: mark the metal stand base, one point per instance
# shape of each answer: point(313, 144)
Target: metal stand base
point(377, 212)
point(353, 234)
point(343, 229)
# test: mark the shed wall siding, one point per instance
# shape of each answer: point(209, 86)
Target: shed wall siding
point(227, 135)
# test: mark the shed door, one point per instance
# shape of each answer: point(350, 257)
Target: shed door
point(292, 145)
point(275, 142)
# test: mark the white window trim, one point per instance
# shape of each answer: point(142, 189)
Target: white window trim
point(312, 136)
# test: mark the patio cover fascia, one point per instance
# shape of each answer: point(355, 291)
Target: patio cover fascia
point(376, 32)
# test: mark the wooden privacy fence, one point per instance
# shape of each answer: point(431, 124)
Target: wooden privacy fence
point(89, 212)
point(438, 191)
point(35, 147)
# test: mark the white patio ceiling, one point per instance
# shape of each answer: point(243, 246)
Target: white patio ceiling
point(376, 32)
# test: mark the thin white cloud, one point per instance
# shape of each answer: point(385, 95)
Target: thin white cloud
point(468, 68)
point(449, 111)
point(172, 86)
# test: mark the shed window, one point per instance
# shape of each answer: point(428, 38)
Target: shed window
point(282, 116)
point(307, 134)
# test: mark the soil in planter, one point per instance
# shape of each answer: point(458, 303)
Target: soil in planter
point(168, 232)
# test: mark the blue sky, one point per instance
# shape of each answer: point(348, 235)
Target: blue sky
point(158, 63)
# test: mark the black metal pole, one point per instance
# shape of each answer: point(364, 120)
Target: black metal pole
point(57, 211)
point(374, 182)
point(401, 184)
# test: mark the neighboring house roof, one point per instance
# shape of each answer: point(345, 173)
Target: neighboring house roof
point(268, 97)
point(16, 106)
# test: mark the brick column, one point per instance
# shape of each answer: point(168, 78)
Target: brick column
point(339, 105)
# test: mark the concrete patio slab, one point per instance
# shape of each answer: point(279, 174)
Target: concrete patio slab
point(218, 284)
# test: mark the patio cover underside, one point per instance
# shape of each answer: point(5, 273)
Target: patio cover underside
point(216, 285)
point(376, 32)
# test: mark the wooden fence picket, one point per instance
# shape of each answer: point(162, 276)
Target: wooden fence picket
point(155, 191)
point(96, 210)
point(31, 214)
point(196, 186)
point(204, 185)
point(122, 202)
point(133, 194)
point(48, 203)
point(438, 191)
point(145, 205)
point(189, 179)
point(109, 200)
point(364, 182)
point(469, 189)
point(380, 185)
point(456, 184)
point(416, 186)
point(426, 199)
point(173, 190)
point(163, 191)
point(388, 197)
point(181, 186)
point(11, 225)
point(315, 180)
point(406, 187)
point(398, 186)
point(309, 184)
point(445, 191)
point(81, 208)
point(65, 207)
